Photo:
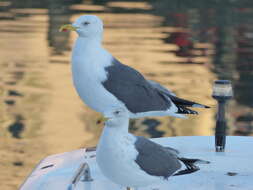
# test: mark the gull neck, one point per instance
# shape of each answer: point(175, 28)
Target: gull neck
point(122, 129)
point(94, 41)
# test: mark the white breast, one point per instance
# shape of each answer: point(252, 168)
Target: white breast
point(116, 158)
point(88, 72)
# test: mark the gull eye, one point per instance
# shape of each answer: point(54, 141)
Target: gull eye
point(116, 112)
point(86, 23)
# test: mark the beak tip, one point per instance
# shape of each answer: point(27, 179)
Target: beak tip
point(63, 30)
point(66, 27)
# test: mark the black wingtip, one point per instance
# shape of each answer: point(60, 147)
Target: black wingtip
point(184, 110)
point(190, 167)
point(187, 171)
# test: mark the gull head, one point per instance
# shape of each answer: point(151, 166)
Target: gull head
point(86, 26)
point(117, 117)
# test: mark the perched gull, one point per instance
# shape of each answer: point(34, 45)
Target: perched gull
point(133, 161)
point(104, 83)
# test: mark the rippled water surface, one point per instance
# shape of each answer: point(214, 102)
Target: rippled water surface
point(184, 46)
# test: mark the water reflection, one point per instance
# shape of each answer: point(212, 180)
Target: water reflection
point(190, 40)
point(184, 46)
point(226, 29)
point(17, 127)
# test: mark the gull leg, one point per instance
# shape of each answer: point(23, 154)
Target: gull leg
point(131, 188)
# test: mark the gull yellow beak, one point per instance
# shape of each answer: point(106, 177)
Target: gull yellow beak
point(67, 27)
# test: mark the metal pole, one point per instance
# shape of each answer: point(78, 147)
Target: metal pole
point(220, 130)
point(222, 92)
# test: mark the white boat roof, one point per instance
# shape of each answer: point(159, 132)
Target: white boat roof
point(231, 170)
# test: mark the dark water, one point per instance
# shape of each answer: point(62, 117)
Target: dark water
point(185, 45)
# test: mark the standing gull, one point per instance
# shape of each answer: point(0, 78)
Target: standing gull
point(104, 83)
point(133, 161)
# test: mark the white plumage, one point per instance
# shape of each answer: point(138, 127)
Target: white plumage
point(103, 83)
point(132, 161)
point(88, 62)
point(116, 155)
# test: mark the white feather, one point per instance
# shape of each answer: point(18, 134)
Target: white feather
point(89, 60)
point(88, 63)
point(116, 157)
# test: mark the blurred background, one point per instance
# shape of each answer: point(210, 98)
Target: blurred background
point(185, 45)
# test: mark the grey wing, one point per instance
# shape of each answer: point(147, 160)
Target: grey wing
point(172, 150)
point(180, 103)
point(161, 88)
point(130, 87)
point(155, 159)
